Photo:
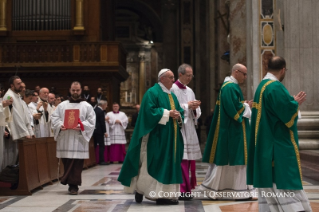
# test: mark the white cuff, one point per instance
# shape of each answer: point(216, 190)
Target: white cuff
point(247, 111)
point(299, 114)
point(165, 117)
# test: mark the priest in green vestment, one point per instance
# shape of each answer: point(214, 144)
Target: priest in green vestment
point(273, 149)
point(226, 146)
point(152, 166)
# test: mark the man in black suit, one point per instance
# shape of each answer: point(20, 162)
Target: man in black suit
point(135, 115)
point(100, 130)
point(86, 93)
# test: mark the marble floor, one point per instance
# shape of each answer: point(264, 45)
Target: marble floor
point(101, 191)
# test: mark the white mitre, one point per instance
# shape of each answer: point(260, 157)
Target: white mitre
point(163, 71)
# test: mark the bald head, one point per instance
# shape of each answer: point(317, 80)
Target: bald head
point(51, 98)
point(237, 66)
point(239, 72)
point(44, 93)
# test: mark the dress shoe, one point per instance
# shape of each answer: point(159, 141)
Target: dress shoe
point(166, 202)
point(73, 189)
point(138, 197)
point(104, 163)
point(185, 196)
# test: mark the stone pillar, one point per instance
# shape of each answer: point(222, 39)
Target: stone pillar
point(211, 72)
point(253, 47)
point(3, 8)
point(237, 20)
point(170, 35)
point(79, 15)
point(141, 83)
point(221, 33)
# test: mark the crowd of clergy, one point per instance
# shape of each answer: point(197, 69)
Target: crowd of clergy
point(27, 114)
point(251, 148)
point(252, 145)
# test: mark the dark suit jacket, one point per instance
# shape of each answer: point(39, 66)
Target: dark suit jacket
point(88, 99)
point(134, 119)
point(100, 127)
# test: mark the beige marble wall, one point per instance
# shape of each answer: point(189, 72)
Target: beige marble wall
point(301, 27)
point(237, 20)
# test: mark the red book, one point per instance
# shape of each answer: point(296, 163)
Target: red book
point(71, 117)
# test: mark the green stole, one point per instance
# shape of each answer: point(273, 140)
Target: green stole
point(227, 139)
point(165, 144)
point(273, 155)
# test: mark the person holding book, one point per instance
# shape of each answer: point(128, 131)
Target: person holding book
point(73, 123)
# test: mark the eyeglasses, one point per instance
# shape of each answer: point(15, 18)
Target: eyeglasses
point(189, 76)
point(245, 74)
point(172, 77)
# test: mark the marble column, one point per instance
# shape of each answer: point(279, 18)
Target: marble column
point(222, 45)
point(253, 47)
point(170, 35)
point(237, 20)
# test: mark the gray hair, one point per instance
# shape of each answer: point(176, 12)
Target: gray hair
point(182, 68)
point(42, 90)
point(102, 102)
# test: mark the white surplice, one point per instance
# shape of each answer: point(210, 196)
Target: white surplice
point(107, 140)
point(72, 143)
point(117, 131)
point(191, 144)
point(42, 127)
point(227, 178)
point(5, 116)
point(20, 125)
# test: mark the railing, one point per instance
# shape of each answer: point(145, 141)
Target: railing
point(62, 52)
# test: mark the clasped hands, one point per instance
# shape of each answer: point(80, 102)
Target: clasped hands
point(194, 104)
point(249, 102)
point(174, 114)
point(78, 128)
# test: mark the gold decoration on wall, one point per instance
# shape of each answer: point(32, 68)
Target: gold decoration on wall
point(79, 15)
point(3, 8)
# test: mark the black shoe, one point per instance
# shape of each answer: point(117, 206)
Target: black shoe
point(185, 196)
point(73, 189)
point(104, 163)
point(166, 202)
point(138, 197)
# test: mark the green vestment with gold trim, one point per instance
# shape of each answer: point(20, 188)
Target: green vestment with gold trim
point(165, 145)
point(227, 139)
point(273, 152)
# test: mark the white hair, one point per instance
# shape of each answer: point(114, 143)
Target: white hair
point(102, 102)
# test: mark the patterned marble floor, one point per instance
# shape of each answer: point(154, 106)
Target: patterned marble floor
point(102, 192)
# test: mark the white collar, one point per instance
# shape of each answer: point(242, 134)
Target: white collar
point(165, 90)
point(231, 78)
point(181, 83)
point(100, 107)
point(17, 95)
point(270, 76)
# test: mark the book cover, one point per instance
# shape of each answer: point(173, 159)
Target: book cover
point(71, 117)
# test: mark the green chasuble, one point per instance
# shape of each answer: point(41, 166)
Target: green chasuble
point(227, 139)
point(165, 144)
point(273, 152)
